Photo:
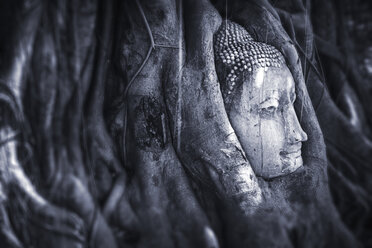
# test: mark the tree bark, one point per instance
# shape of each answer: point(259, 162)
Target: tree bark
point(114, 133)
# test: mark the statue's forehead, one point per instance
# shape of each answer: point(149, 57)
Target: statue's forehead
point(275, 82)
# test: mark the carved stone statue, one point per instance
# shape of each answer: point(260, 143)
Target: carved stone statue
point(259, 93)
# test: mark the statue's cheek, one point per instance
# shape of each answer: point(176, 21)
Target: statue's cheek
point(273, 142)
point(253, 143)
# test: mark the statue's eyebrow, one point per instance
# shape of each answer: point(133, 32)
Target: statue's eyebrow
point(274, 96)
point(270, 99)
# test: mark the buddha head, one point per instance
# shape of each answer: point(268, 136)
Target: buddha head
point(259, 95)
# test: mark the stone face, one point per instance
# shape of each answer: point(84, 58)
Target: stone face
point(259, 96)
point(263, 117)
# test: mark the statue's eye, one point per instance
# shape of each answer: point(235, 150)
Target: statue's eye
point(269, 106)
point(270, 109)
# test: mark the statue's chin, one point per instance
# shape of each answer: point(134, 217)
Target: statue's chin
point(287, 166)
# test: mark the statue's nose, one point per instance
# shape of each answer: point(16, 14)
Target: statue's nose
point(296, 133)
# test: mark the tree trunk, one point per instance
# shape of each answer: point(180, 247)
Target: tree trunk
point(114, 133)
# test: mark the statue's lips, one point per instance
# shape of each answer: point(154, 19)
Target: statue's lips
point(291, 153)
